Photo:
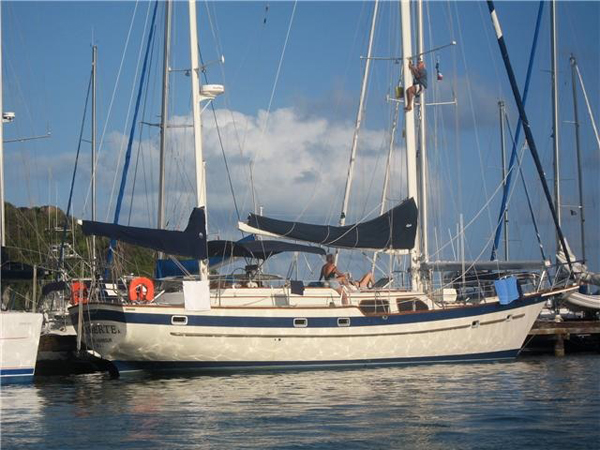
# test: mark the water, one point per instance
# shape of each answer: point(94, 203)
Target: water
point(541, 402)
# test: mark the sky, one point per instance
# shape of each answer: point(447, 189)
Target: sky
point(292, 75)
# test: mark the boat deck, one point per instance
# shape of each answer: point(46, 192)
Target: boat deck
point(580, 334)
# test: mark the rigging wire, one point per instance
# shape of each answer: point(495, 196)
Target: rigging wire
point(215, 32)
point(133, 128)
point(218, 129)
point(139, 147)
point(338, 102)
point(68, 211)
point(129, 106)
point(112, 99)
point(474, 117)
point(529, 204)
point(266, 120)
point(475, 217)
point(513, 155)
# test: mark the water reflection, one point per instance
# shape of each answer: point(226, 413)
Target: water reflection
point(538, 403)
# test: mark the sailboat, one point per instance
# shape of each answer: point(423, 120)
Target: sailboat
point(587, 298)
point(253, 321)
point(19, 330)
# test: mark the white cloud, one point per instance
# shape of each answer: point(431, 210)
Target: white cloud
point(300, 166)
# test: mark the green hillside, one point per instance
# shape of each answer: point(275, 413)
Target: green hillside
point(34, 235)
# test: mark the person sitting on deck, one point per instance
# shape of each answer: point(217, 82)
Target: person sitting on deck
point(420, 75)
point(337, 279)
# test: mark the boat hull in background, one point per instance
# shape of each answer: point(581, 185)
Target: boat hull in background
point(19, 341)
point(579, 301)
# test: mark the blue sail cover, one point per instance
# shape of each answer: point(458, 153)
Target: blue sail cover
point(220, 251)
point(395, 229)
point(191, 242)
point(257, 249)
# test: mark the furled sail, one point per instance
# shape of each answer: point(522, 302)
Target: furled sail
point(190, 242)
point(395, 229)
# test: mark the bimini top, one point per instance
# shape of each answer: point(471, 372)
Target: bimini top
point(257, 249)
point(395, 229)
point(190, 242)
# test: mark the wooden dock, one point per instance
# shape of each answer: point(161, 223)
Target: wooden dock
point(586, 331)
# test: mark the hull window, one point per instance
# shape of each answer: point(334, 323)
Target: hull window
point(179, 320)
point(376, 306)
point(343, 322)
point(411, 304)
point(300, 323)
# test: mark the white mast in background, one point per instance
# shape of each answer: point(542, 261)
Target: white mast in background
point(8, 117)
point(197, 120)
point(94, 149)
point(423, 215)
point(555, 116)
point(164, 115)
point(411, 150)
point(359, 116)
point(2, 218)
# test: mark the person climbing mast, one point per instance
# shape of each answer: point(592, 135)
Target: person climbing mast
point(420, 82)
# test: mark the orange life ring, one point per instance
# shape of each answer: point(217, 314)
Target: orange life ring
point(141, 289)
point(79, 291)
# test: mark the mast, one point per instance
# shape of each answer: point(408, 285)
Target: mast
point(197, 120)
point(164, 117)
point(94, 67)
point(578, 148)
point(526, 127)
point(556, 155)
point(359, 117)
point(2, 217)
point(504, 181)
point(422, 144)
point(513, 155)
point(411, 152)
point(386, 178)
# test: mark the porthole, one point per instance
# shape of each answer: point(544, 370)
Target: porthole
point(179, 320)
point(300, 323)
point(343, 322)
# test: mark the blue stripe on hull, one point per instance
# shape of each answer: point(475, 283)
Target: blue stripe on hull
point(207, 366)
point(10, 376)
point(194, 319)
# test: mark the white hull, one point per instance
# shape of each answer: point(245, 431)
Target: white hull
point(153, 337)
point(583, 302)
point(19, 340)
